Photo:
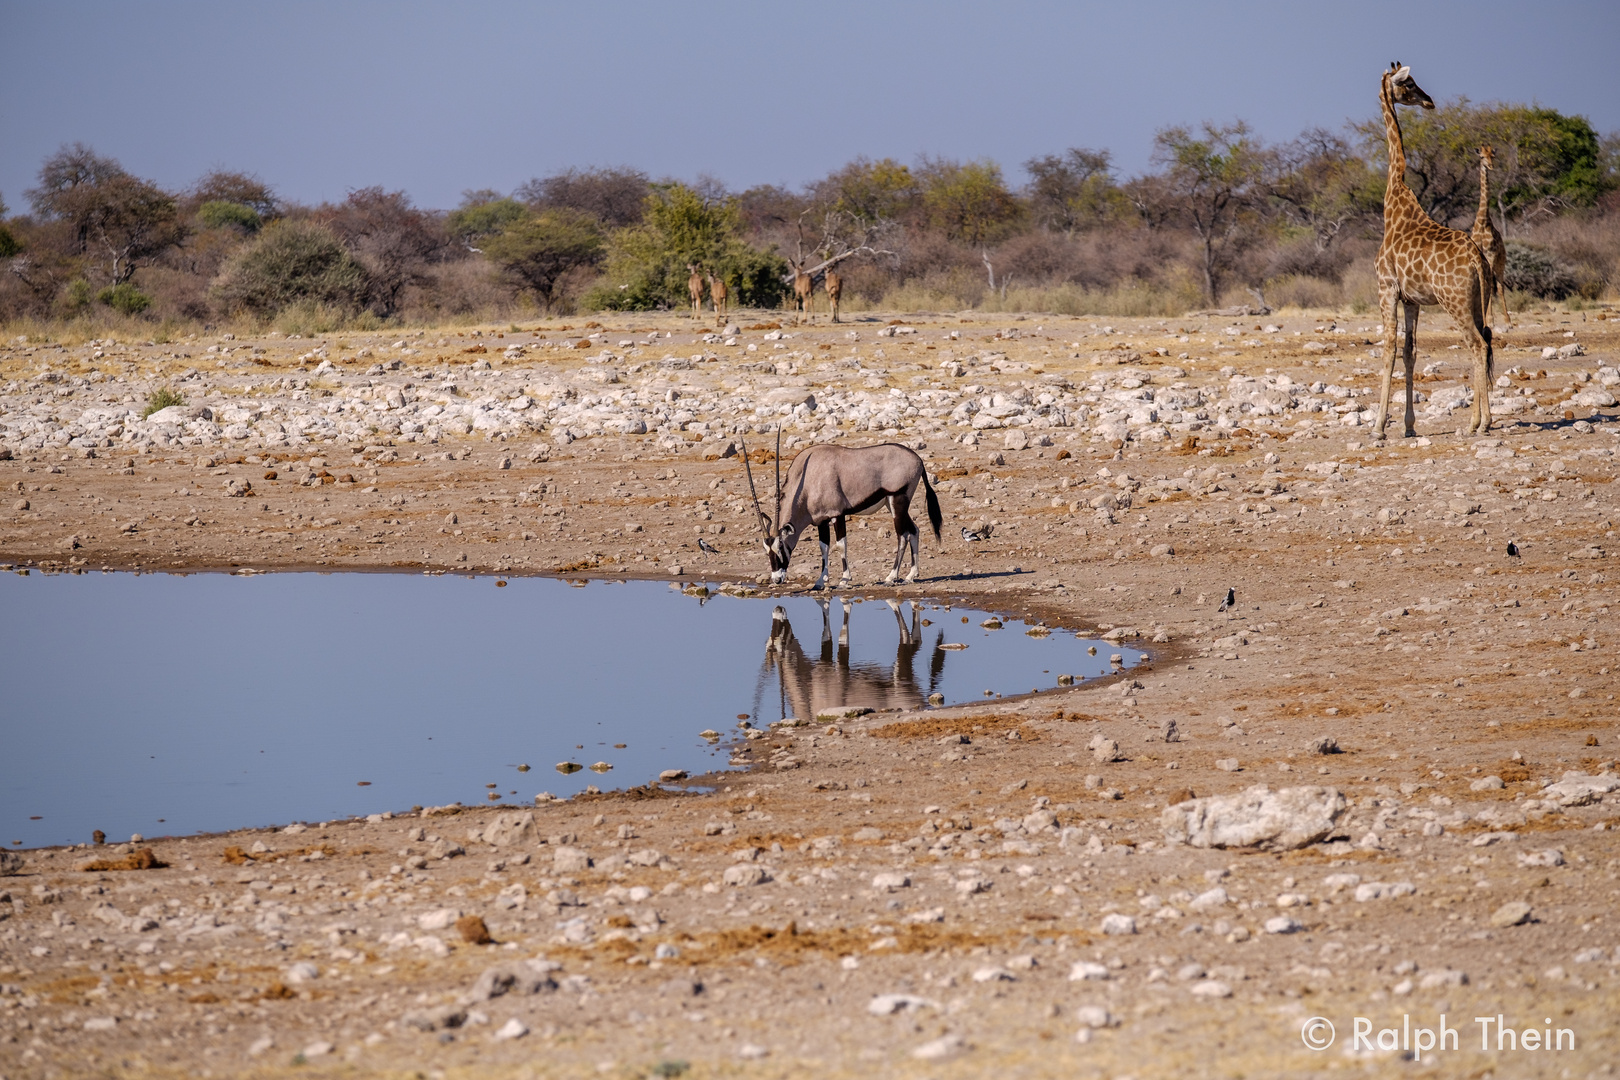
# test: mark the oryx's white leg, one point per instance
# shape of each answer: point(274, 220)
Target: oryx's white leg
point(914, 540)
point(826, 626)
point(841, 534)
point(822, 580)
point(843, 631)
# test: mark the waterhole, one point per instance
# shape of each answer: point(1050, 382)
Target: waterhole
point(173, 704)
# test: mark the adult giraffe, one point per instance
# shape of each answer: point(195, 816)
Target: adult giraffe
point(1489, 240)
point(1422, 262)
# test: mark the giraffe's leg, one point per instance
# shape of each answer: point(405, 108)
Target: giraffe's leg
point(1387, 300)
point(1482, 349)
point(1409, 356)
point(1501, 300)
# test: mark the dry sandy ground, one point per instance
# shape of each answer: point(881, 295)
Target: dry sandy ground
point(966, 859)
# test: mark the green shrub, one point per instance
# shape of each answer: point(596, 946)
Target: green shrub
point(219, 214)
point(1537, 272)
point(77, 296)
point(124, 297)
point(292, 262)
point(162, 398)
point(8, 243)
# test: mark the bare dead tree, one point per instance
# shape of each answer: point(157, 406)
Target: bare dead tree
point(844, 236)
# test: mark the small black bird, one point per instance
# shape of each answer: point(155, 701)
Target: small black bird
point(1230, 601)
point(970, 536)
point(708, 547)
point(1513, 550)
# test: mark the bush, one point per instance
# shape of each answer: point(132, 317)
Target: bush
point(541, 249)
point(162, 398)
point(77, 296)
point(1537, 272)
point(8, 243)
point(220, 214)
point(292, 262)
point(125, 298)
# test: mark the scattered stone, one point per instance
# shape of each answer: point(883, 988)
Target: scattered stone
point(1511, 914)
point(1259, 817)
point(1118, 924)
point(512, 1029)
point(1282, 924)
point(10, 863)
point(511, 830)
point(889, 1004)
point(745, 874)
point(889, 882)
point(1211, 988)
point(438, 920)
point(1324, 745)
point(1487, 783)
point(570, 860)
point(302, 972)
point(1228, 764)
point(1095, 1016)
point(936, 1049)
point(1549, 857)
point(1084, 970)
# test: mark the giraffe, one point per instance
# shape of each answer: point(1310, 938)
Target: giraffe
point(1486, 236)
point(835, 289)
point(694, 285)
point(1422, 262)
point(717, 293)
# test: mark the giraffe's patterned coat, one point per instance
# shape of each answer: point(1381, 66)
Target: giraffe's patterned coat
point(1422, 262)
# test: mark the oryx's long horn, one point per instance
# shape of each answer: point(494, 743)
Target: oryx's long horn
point(778, 525)
point(760, 510)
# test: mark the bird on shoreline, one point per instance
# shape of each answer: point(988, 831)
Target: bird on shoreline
point(970, 536)
point(1230, 601)
point(707, 547)
point(1512, 550)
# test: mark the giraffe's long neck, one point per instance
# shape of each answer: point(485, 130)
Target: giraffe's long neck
point(1482, 220)
point(1398, 198)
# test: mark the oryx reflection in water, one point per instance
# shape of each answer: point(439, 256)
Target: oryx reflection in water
point(808, 686)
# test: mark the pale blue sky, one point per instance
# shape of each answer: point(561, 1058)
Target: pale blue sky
point(322, 97)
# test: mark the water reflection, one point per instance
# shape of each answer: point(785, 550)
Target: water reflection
point(830, 682)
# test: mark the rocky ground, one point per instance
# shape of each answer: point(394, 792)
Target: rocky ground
point(1072, 884)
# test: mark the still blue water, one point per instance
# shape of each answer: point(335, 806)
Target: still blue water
point(172, 704)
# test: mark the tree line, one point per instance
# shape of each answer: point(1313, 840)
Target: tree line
point(1221, 214)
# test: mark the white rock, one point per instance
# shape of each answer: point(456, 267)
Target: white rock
point(936, 1049)
point(1283, 924)
point(570, 860)
point(512, 1029)
point(745, 874)
point(438, 920)
point(303, 971)
point(1259, 817)
point(888, 1004)
point(101, 1023)
point(1549, 857)
point(511, 829)
point(888, 882)
point(318, 1049)
point(993, 974)
point(1083, 970)
point(1211, 988)
point(1211, 898)
point(1118, 924)
point(1094, 1016)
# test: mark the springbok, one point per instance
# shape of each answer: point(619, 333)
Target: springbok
point(804, 293)
point(717, 293)
point(694, 285)
point(826, 484)
point(835, 289)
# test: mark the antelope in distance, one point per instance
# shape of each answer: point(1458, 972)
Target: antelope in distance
point(694, 285)
point(717, 293)
point(835, 289)
point(818, 684)
point(826, 484)
point(804, 293)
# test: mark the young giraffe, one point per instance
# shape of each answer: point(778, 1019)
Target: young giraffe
point(694, 285)
point(1422, 262)
point(1486, 236)
point(717, 293)
point(835, 289)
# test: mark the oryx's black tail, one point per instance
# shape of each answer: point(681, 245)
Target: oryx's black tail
point(935, 518)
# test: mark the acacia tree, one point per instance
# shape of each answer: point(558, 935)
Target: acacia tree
point(968, 202)
point(116, 221)
point(1074, 190)
point(614, 196)
point(1214, 185)
point(394, 240)
point(541, 249)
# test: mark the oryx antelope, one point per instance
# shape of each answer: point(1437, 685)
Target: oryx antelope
point(826, 484)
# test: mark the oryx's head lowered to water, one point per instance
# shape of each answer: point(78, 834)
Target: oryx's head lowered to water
point(777, 539)
point(825, 485)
